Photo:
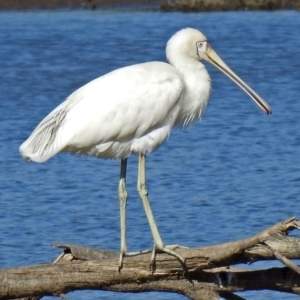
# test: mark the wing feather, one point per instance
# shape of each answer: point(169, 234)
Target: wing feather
point(118, 107)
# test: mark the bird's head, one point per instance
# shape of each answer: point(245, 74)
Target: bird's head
point(189, 43)
point(185, 43)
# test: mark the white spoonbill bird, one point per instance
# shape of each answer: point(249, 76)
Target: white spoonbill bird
point(132, 110)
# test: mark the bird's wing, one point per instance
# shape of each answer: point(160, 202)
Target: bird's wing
point(119, 106)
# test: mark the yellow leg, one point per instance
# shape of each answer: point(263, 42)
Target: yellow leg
point(123, 195)
point(142, 189)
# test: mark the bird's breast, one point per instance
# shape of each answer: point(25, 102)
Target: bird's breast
point(196, 95)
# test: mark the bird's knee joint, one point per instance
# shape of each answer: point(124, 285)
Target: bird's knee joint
point(143, 189)
point(123, 194)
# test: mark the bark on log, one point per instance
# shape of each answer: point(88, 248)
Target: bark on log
point(208, 275)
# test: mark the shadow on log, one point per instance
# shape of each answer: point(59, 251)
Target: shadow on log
point(208, 274)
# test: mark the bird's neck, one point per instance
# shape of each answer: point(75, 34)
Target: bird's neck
point(197, 90)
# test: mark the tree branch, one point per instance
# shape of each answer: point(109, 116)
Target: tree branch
point(208, 275)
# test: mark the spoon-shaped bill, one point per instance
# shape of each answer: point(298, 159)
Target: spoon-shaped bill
point(213, 58)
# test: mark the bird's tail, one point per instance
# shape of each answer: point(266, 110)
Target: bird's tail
point(45, 141)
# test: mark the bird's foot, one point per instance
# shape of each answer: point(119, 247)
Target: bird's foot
point(122, 254)
point(169, 249)
point(129, 254)
point(173, 247)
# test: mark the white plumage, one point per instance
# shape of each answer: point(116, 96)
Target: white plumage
point(132, 110)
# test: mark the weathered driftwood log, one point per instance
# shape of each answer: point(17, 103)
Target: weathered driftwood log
point(208, 275)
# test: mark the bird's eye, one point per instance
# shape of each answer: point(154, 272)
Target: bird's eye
point(200, 44)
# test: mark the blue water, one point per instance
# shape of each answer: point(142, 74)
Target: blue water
point(230, 176)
